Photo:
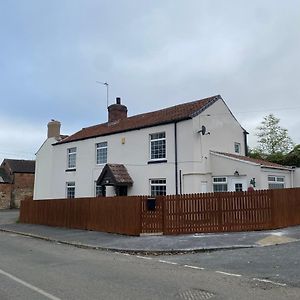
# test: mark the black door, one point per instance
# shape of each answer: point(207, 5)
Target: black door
point(121, 190)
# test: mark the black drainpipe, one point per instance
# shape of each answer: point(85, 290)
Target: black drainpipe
point(245, 142)
point(176, 160)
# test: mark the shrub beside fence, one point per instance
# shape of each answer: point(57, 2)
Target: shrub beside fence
point(176, 214)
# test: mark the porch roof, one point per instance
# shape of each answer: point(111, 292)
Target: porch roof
point(115, 174)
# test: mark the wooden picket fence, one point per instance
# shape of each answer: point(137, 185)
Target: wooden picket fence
point(108, 214)
point(175, 214)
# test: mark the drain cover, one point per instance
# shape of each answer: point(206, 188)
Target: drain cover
point(195, 294)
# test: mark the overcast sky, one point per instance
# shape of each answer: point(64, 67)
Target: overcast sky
point(153, 54)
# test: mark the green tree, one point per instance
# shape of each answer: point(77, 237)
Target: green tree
point(273, 140)
point(293, 158)
point(254, 153)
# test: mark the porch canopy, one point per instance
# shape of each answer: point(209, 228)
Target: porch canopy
point(114, 175)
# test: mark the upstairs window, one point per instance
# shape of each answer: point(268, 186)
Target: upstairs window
point(101, 153)
point(158, 187)
point(72, 158)
point(70, 189)
point(158, 146)
point(237, 147)
point(276, 182)
point(220, 184)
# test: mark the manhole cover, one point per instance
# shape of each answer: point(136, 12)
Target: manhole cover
point(195, 294)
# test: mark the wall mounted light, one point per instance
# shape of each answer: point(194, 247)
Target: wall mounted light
point(252, 182)
point(236, 173)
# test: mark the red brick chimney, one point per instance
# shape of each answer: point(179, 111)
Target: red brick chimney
point(117, 111)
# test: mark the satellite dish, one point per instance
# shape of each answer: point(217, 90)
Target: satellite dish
point(203, 130)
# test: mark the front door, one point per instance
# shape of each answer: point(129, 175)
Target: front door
point(121, 190)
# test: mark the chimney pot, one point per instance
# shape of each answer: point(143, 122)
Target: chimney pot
point(118, 100)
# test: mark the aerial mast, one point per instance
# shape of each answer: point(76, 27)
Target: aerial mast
point(106, 84)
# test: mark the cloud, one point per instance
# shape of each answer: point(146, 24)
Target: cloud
point(153, 54)
point(19, 138)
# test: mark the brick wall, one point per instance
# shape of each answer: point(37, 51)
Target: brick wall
point(5, 195)
point(22, 188)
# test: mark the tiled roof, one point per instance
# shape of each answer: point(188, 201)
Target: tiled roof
point(20, 166)
point(260, 162)
point(118, 172)
point(163, 116)
point(4, 177)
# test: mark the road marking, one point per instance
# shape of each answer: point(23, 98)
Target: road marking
point(143, 257)
point(167, 262)
point(193, 267)
point(30, 286)
point(269, 281)
point(277, 233)
point(229, 274)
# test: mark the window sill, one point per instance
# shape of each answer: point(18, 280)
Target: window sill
point(157, 161)
point(70, 170)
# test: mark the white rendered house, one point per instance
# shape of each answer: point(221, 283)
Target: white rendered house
point(188, 148)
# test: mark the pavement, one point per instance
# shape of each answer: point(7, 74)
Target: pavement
point(148, 244)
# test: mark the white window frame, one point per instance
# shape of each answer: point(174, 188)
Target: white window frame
point(71, 158)
point(154, 141)
point(70, 189)
point(237, 147)
point(158, 182)
point(102, 146)
point(276, 182)
point(220, 181)
point(238, 187)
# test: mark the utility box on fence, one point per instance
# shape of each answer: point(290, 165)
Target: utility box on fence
point(151, 204)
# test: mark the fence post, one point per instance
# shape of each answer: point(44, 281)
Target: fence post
point(220, 210)
point(273, 208)
point(139, 209)
point(163, 199)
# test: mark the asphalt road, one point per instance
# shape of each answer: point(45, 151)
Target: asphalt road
point(9, 216)
point(279, 263)
point(35, 269)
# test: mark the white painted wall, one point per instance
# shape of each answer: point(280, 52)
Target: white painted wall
point(223, 127)
point(194, 148)
point(225, 166)
point(43, 171)
point(134, 154)
point(297, 177)
point(194, 162)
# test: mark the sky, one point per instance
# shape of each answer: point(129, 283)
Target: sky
point(153, 54)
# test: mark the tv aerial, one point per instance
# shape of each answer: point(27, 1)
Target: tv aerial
point(105, 84)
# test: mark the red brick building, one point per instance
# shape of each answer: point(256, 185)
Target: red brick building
point(16, 182)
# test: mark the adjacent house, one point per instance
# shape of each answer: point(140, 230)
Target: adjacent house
point(16, 182)
point(193, 147)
